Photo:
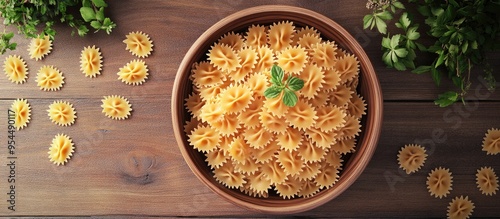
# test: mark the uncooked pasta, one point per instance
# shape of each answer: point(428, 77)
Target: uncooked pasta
point(40, 47)
point(491, 142)
point(49, 78)
point(460, 208)
point(259, 145)
point(62, 113)
point(439, 182)
point(487, 181)
point(22, 111)
point(61, 149)
point(116, 107)
point(134, 73)
point(91, 61)
point(139, 44)
point(411, 158)
point(15, 69)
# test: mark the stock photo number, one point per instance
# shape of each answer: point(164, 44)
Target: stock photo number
point(11, 160)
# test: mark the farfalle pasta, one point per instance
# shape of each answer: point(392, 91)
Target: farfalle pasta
point(91, 61)
point(439, 182)
point(256, 144)
point(49, 78)
point(487, 181)
point(411, 158)
point(491, 142)
point(15, 69)
point(61, 149)
point(22, 111)
point(134, 73)
point(139, 44)
point(62, 113)
point(40, 47)
point(116, 107)
point(460, 208)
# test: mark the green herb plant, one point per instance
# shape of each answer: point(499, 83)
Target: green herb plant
point(31, 15)
point(462, 33)
point(288, 87)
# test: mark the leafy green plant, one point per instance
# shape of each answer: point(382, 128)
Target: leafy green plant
point(29, 16)
point(462, 32)
point(289, 87)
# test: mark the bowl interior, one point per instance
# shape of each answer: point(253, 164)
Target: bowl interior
point(368, 87)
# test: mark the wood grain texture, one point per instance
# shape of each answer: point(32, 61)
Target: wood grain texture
point(134, 167)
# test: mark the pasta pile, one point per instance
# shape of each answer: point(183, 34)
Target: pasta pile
point(255, 144)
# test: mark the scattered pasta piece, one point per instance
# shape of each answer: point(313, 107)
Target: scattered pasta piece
point(491, 142)
point(257, 144)
point(135, 72)
point(15, 69)
point(49, 78)
point(91, 61)
point(460, 208)
point(40, 47)
point(439, 182)
point(487, 181)
point(22, 111)
point(139, 44)
point(116, 107)
point(62, 113)
point(411, 158)
point(61, 149)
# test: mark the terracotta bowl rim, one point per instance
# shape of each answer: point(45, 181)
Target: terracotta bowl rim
point(374, 109)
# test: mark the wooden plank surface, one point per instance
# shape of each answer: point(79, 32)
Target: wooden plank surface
point(134, 167)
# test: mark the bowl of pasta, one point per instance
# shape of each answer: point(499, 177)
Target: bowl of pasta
point(276, 109)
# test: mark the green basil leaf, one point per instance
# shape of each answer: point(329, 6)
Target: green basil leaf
point(290, 98)
point(277, 75)
point(99, 3)
point(272, 92)
point(295, 83)
point(87, 13)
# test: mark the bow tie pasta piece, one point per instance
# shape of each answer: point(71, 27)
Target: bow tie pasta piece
point(49, 78)
point(265, 59)
point(239, 150)
point(310, 153)
point(411, 158)
point(61, 149)
point(344, 146)
point(323, 54)
point(312, 76)
point(280, 35)
point(309, 188)
point(211, 112)
point(332, 79)
point(320, 99)
point(491, 142)
point(227, 176)
point(256, 36)
point(204, 139)
point(135, 72)
point(334, 158)
point(439, 182)
point(250, 192)
point(320, 138)
point(62, 113)
point(216, 158)
point(351, 129)
point(116, 107)
point(302, 116)
point(290, 162)
point(258, 83)
point(309, 171)
point(194, 105)
point(308, 41)
point(289, 140)
point(341, 96)
point(250, 166)
point(259, 183)
point(265, 154)
point(224, 57)
point(235, 99)
point(139, 44)
point(293, 59)
point(207, 75)
point(274, 171)
point(257, 137)
point(274, 124)
point(234, 40)
point(330, 118)
point(22, 111)
point(304, 31)
point(348, 67)
point(91, 61)
point(328, 175)
point(15, 69)
point(487, 181)
point(248, 60)
point(289, 188)
point(251, 117)
point(356, 106)
point(227, 126)
point(40, 47)
point(276, 106)
point(460, 208)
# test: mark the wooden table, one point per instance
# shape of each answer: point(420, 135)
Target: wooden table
point(134, 167)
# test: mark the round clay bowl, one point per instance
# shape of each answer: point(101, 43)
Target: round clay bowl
point(368, 87)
